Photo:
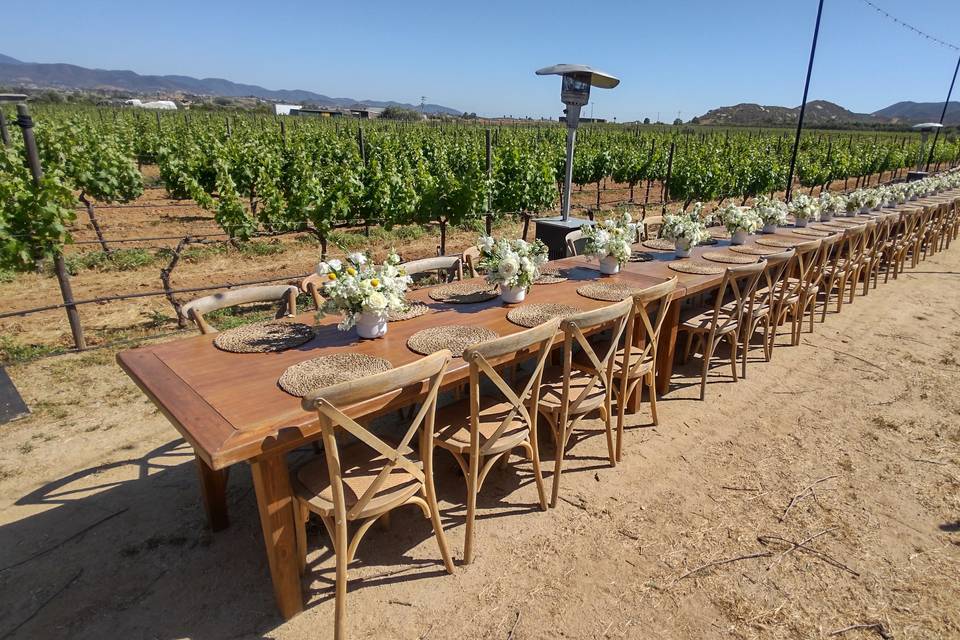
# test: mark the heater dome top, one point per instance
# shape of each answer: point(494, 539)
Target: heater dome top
point(597, 78)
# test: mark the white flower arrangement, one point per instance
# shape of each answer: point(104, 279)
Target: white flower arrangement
point(511, 263)
point(611, 238)
point(873, 198)
point(856, 201)
point(803, 207)
point(356, 285)
point(770, 212)
point(685, 227)
point(736, 219)
point(831, 203)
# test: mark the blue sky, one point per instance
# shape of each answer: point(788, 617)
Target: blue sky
point(683, 56)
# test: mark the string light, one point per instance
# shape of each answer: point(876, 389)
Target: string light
point(911, 27)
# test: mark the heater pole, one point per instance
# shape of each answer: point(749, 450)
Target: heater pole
point(573, 116)
point(803, 105)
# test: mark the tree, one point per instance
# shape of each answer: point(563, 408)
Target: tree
point(677, 122)
point(646, 121)
point(400, 113)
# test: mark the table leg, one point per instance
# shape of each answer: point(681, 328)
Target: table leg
point(667, 346)
point(213, 490)
point(277, 506)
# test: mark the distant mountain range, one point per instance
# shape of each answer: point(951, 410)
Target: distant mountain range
point(823, 113)
point(35, 75)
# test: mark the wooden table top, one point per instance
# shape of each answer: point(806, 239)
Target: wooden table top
point(229, 407)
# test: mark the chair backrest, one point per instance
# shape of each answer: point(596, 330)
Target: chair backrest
point(312, 284)
point(483, 359)
point(329, 403)
point(471, 258)
point(575, 243)
point(829, 252)
point(799, 272)
point(740, 282)
point(852, 244)
point(767, 293)
point(660, 295)
point(285, 294)
point(619, 318)
point(450, 266)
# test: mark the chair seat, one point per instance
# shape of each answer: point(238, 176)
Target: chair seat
point(359, 467)
point(551, 392)
point(582, 362)
point(759, 310)
point(702, 321)
point(452, 426)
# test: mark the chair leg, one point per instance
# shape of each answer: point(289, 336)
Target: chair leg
point(652, 391)
point(430, 494)
point(707, 354)
point(561, 444)
point(537, 470)
point(745, 344)
point(340, 543)
point(472, 481)
point(605, 411)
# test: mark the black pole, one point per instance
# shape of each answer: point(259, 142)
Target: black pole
point(4, 132)
point(943, 114)
point(803, 105)
point(66, 291)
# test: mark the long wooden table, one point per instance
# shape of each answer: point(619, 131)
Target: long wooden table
point(229, 408)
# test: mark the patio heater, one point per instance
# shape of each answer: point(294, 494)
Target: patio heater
point(574, 93)
point(925, 130)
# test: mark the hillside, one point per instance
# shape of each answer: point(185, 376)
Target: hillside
point(33, 75)
point(916, 112)
point(819, 113)
point(823, 113)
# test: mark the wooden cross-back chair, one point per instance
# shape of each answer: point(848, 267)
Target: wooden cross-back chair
point(639, 366)
point(895, 252)
point(567, 394)
point(575, 243)
point(484, 429)
point(919, 233)
point(724, 321)
point(365, 480)
point(840, 271)
point(285, 295)
point(764, 305)
point(798, 294)
point(312, 285)
point(471, 258)
point(934, 231)
point(877, 240)
point(448, 268)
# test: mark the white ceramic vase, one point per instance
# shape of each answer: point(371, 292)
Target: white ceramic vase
point(609, 266)
point(769, 228)
point(738, 237)
point(800, 222)
point(825, 216)
point(682, 247)
point(512, 295)
point(371, 325)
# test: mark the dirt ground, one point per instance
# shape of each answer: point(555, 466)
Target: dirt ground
point(848, 445)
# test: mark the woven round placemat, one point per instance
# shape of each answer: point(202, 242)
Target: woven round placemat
point(844, 221)
point(415, 310)
point(452, 336)
point(811, 233)
point(530, 315)
point(607, 291)
point(550, 276)
point(783, 243)
point(728, 258)
point(659, 244)
point(696, 268)
point(310, 375)
point(264, 337)
point(640, 256)
point(754, 251)
point(720, 233)
point(463, 292)
point(823, 226)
